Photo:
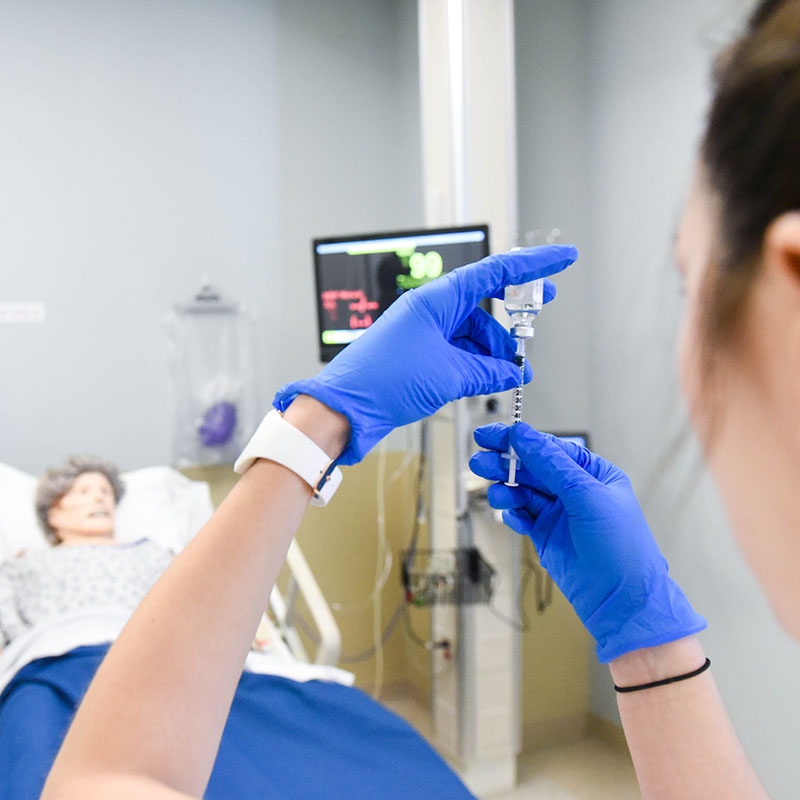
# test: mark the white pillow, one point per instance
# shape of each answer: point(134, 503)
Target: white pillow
point(159, 504)
point(18, 526)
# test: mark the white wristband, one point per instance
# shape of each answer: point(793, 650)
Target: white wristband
point(278, 440)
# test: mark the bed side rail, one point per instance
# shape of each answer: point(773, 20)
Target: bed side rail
point(302, 580)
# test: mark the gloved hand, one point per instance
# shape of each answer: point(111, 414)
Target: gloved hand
point(432, 345)
point(591, 537)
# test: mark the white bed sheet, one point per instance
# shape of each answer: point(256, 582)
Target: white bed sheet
point(65, 632)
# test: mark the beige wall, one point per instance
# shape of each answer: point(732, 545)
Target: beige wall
point(340, 543)
point(555, 669)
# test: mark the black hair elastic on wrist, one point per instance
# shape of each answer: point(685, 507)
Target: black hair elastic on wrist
point(665, 681)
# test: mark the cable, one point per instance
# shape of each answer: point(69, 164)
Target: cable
point(544, 593)
point(418, 640)
point(431, 645)
point(408, 562)
point(522, 627)
point(419, 515)
point(401, 610)
point(384, 562)
point(387, 632)
point(407, 459)
point(383, 567)
point(525, 625)
point(382, 545)
point(543, 596)
point(305, 626)
point(388, 558)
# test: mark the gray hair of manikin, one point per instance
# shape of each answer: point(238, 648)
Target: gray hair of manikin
point(57, 481)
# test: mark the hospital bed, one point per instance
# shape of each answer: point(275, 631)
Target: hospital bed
point(298, 728)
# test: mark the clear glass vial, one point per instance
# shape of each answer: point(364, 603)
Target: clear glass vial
point(523, 303)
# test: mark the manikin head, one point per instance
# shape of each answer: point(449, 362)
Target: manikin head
point(76, 501)
point(738, 248)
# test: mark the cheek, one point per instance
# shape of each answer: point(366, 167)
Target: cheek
point(65, 508)
point(689, 364)
point(59, 517)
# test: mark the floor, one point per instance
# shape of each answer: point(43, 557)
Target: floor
point(589, 769)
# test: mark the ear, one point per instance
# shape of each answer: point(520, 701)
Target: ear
point(778, 326)
point(782, 250)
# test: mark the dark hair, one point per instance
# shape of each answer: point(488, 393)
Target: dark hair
point(57, 481)
point(751, 152)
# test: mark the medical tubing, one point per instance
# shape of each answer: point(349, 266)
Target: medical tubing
point(429, 644)
point(389, 559)
point(420, 514)
point(544, 597)
point(307, 629)
point(400, 612)
point(665, 681)
point(382, 546)
point(544, 586)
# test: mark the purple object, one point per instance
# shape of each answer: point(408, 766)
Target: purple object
point(218, 424)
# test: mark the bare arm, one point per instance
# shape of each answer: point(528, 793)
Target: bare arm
point(153, 717)
point(680, 737)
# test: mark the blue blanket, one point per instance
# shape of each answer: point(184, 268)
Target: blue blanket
point(283, 739)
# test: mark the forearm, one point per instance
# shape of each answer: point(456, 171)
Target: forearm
point(158, 704)
point(680, 736)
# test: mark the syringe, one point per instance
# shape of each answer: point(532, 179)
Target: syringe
point(523, 304)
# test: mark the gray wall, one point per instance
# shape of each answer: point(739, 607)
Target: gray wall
point(553, 160)
point(144, 145)
point(628, 83)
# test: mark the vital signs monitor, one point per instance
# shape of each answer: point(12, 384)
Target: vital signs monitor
point(358, 277)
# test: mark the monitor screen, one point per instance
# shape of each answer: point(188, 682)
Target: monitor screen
point(358, 277)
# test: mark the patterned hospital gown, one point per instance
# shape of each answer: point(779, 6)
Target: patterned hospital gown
point(40, 584)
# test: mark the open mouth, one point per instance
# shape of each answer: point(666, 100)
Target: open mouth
point(100, 514)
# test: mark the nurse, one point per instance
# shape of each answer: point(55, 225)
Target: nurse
point(738, 249)
point(152, 719)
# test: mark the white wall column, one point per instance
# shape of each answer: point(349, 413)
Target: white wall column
point(468, 116)
point(469, 173)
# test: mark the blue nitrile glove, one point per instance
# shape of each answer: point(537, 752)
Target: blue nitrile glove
point(591, 537)
point(432, 345)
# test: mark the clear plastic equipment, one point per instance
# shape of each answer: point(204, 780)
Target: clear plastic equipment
point(212, 360)
point(523, 304)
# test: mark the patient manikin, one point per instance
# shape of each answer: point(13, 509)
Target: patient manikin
point(86, 568)
point(85, 513)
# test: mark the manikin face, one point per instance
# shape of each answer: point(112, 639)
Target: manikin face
point(86, 510)
point(746, 415)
